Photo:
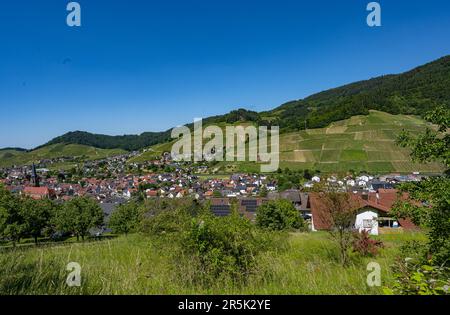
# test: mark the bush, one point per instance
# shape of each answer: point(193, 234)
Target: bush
point(125, 219)
point(219, 248)
point(414, 278)
point(417, 250)
point(169, 217)
point(279, 215)
point(167, 222)
point(364, 245)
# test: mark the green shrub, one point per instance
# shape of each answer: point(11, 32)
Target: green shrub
point(414, 278)
point(279, 215)
point(167, 222)
point(126, 218)
point(169, 216)
point(220, 248)
point(416, 250)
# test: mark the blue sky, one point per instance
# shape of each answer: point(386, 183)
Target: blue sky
point(138, 65)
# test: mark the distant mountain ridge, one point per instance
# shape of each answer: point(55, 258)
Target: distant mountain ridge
point(14, 149)
point(125, 142)
point(146, 139)
point(414, 92)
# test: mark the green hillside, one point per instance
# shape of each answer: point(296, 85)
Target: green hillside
point(346, 127)
point(361, 143)
point(14, 157)
point(411, 93)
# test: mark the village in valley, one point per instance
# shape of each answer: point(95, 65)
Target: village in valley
point(114, 181)
point(225, 155)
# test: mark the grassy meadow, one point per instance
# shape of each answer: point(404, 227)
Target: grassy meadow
point(302, 263)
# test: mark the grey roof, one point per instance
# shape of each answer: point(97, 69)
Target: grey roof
point(304, 202)
point(292, 195)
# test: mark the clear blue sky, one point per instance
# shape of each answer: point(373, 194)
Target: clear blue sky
point(138, 65)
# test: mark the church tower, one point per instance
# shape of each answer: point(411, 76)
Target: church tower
point(34, 176)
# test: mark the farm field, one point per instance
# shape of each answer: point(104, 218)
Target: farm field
point(361, 143)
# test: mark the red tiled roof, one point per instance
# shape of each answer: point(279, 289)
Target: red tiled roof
point(152, 193)
point(383, 202)
point(36, 190)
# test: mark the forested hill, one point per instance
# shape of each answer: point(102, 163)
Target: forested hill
point(125, 142)
point(13, 149)
point(414, 92)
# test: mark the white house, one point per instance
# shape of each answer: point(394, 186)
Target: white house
point(127, 194)
point(179, 195)
point(351, 183)
point(367, 219)
point(364, 178)
point(308, 185)
point(362, 183)
point(332, 179)
point(373, 214)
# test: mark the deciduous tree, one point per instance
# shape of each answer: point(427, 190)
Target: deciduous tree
point(36, 215)
point(431, 198)
point(279, 215)
point(12, 226)
point(79, 215)
point(339, 213)
point(125, 219)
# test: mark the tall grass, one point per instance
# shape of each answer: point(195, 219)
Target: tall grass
point(137, 264)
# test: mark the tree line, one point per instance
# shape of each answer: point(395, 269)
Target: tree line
point(23, 217)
